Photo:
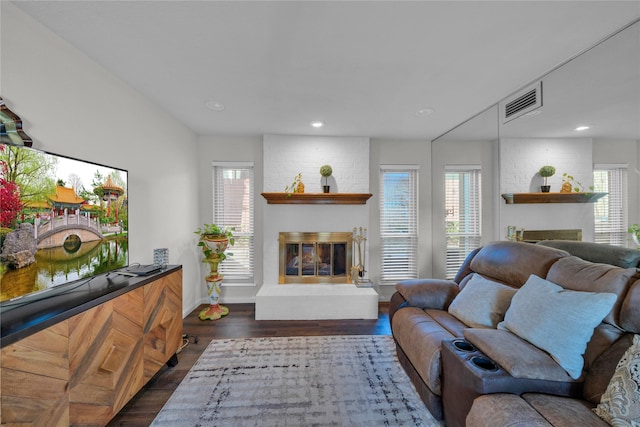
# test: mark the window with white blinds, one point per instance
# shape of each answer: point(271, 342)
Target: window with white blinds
point(462, 214)
point(233, 207)
point(610, 211)
point(398, 223)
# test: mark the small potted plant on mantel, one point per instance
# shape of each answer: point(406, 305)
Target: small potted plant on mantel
point(297, 186)
point(569, 184)
point(214, 241)
point(326, 171)
point(545, 172)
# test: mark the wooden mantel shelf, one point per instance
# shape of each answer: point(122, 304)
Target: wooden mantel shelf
point(515, 198)
point(317, 198)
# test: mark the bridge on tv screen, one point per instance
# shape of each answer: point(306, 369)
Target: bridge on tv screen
point(67, 230)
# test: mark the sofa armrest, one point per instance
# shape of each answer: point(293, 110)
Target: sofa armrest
point(428, 293)
point(501, 410)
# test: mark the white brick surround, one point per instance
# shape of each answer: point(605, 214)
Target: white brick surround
point(285, 156)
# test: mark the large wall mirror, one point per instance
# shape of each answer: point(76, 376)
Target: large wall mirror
point(598, 89)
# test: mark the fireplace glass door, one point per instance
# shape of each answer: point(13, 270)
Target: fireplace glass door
point(315, 257)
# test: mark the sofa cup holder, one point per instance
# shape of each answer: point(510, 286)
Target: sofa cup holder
point(484, 363)
point(463, 345)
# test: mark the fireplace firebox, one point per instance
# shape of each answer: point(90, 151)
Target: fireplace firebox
point(315, 257)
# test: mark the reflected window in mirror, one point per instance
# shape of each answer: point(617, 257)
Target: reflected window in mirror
point(463, 217)
point(610, 212)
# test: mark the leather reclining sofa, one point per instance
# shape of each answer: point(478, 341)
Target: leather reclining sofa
point(467, 344)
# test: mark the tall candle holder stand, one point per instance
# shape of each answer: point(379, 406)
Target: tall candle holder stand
point(358, 271)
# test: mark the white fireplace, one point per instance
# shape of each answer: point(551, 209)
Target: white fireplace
point(284, 157)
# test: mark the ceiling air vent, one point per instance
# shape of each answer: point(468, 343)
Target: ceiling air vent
point(524, 102)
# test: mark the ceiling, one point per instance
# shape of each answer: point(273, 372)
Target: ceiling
point(365, 68)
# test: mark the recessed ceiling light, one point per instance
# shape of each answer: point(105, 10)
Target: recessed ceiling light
point(214, 105)
point(317, 124)
point(581, 128)
point(423, 112)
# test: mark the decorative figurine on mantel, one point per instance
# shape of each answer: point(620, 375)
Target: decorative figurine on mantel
point(214, 241)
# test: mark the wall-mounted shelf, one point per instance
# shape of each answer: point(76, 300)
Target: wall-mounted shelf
point(317, 198)
point(516, 198)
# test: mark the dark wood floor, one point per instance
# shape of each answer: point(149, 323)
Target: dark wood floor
point(240, 323)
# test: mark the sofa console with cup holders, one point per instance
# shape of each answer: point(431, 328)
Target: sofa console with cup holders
point(518, 320)
point(470, 374)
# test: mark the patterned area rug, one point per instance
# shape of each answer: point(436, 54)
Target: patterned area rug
point(297, 381)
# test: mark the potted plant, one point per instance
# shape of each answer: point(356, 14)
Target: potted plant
point(297, 186)
point(326, 171)
point(214, 241)
point(545, 172)
point(573, 185)
point(634, 230)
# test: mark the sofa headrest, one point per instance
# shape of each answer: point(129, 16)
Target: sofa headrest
point(513, 262)
point(597, 252)
point(579, 275)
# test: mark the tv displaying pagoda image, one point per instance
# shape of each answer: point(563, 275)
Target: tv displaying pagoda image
point(61, 220)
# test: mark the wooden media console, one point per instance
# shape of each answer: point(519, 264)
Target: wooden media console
point(77, 358)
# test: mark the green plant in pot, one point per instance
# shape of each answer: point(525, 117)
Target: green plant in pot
point(545, 172)
point(296, 186)
point(326, 171)
point(634, 230)
point(214, 241)
point(573, 185)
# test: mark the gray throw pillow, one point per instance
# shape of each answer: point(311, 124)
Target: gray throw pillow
point(557, 320)
point(482, 302)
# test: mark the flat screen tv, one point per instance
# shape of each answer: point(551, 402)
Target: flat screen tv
point(62, 221)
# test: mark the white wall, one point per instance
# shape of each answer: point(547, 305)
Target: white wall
point(287, 155)
point(236, 149)
point(70, 105)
